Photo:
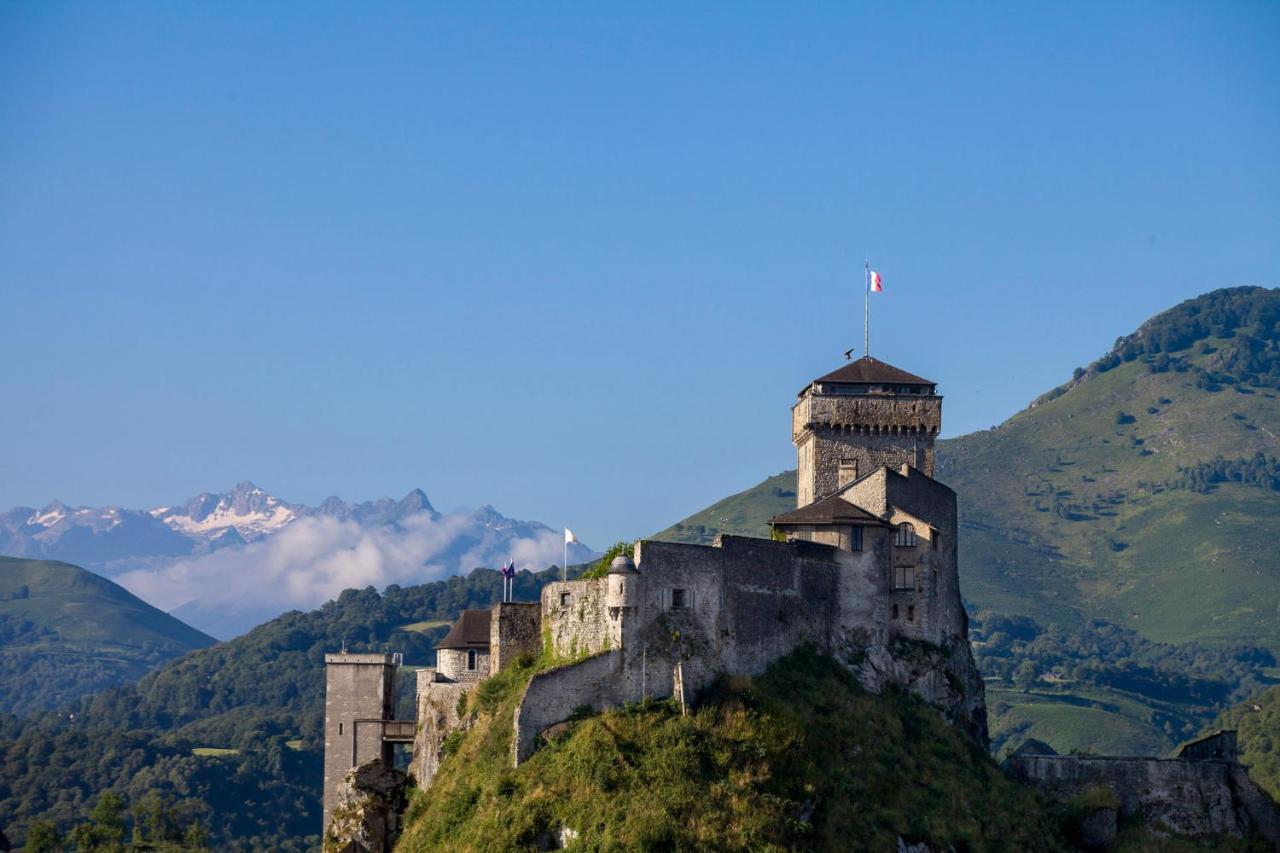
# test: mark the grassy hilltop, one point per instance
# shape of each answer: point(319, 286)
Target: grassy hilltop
point(800, 758)
point(66, 632)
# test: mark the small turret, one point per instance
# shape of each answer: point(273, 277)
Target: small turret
point(624, 584)
point(622, 596)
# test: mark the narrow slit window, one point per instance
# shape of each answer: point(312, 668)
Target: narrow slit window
point(855, 540)
point(471, 659)
point(911, 613)
point(339, 728)
point(895, 611)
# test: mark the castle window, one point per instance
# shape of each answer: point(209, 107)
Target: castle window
point(895, 611)
point(934, 536)
point(855, 539)
point(904, 577)
point(471, 659)
point(906, 536)
point(679, 599)
point(339, 728)
point(911, 613)
point(564, 599)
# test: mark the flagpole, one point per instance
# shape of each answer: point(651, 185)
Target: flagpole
point(866, 309)
point(564, 566)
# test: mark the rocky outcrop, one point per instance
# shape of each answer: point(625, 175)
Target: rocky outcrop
point(944, 676)
point(367, 818)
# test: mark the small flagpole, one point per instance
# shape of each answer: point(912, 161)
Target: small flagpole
point(564, 568)
point(866, 309)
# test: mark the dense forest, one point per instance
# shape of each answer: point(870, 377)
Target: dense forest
point(1189, 681)
point(228, 739)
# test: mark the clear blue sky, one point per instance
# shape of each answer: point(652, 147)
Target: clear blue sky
point(575, 260)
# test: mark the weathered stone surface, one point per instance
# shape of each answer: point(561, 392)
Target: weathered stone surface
point(515, 629)
point(862, 431)
point(944, 676)
point(1200, 799)
point(574, 616)
point(366, 814)
point(357, 687)
point(440, 705)
point(1098, 829)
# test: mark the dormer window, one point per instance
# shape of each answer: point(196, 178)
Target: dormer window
point(906, 536)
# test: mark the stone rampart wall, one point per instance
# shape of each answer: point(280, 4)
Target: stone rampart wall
point(438, 704)
point(1195, 798)
point(578, 624)
point(553, 696)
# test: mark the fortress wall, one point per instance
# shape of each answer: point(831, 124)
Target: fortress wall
point(1196, 798)
point(580, 626)
point(438, 715)
point(552, 697)
point(515, 629)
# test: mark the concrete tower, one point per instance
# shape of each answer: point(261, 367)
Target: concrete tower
point(360, 695)
point(857, 418)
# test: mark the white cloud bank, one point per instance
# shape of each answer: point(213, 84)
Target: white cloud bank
point(313, 559)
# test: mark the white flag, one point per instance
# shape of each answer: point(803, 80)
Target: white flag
point(569, 537)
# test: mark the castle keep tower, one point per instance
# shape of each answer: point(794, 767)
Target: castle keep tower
point(857, 418)
point(359, 699)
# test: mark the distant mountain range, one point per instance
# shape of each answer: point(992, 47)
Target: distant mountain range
point(226, 561)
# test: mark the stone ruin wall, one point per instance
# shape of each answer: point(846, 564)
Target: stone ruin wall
point(1194, 798)
point(582, 626)
point(438, 703)
point(515, 629)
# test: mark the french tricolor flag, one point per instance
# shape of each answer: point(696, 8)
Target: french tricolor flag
point(873, 282)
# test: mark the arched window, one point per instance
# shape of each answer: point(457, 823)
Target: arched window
point(906, 537)
point(471, 658)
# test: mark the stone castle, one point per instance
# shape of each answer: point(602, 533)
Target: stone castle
point(864, 567)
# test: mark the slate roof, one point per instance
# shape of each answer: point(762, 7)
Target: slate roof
point(832, 510)
point(868, 369)
point(471, 631)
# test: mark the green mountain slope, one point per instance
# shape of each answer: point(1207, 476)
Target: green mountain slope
point(1257, 723)
point(229, 737)
point(1145, 491)
point(798, 759)
point(65, 632)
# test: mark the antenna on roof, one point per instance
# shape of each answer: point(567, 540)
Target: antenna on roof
point(344, 645)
